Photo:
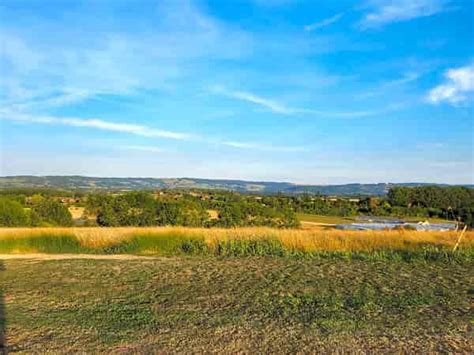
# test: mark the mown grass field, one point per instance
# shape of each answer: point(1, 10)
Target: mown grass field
point(246, 304)
point(235, 290)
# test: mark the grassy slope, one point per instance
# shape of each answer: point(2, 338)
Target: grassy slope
point(226, 305)
point(315, 218)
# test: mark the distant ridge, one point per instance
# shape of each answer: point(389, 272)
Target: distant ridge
point(262, 187)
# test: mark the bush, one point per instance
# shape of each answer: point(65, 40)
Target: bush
point(264, 247)
point(12, 214)
point(50, 212)
point(181, 213)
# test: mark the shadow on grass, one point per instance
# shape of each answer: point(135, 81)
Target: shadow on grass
point(3, 318)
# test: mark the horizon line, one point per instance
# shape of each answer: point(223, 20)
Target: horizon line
point(240, 180)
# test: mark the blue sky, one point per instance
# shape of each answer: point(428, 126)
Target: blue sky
point(320, 92)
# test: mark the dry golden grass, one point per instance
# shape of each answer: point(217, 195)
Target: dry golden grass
point(300, 239)
point(76, 212)
point(213, 214)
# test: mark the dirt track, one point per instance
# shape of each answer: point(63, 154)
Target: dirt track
point(75, 256)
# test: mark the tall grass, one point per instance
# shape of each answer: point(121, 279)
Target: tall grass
point(236, 242)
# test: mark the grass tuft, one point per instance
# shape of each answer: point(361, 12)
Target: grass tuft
point(43, 243)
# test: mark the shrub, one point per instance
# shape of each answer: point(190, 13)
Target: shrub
point(12, 214)
point(50, 212)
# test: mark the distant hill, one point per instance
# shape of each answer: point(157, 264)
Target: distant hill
point(102, 183)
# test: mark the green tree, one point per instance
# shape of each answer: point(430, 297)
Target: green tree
point(232, 215)
point(181, 213)
point(467, 216)
point(399, 196)
point(51, 212)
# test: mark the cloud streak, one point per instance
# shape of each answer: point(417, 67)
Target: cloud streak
point(390, 84)
point(140, 130)
point(281, 108)
point(384, 12)
point(458, 86)
point(135, 129)
point(323, 23)
point(80, 62)
point(258, 100)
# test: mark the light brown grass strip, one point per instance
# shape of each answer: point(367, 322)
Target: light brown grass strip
point(301, 239)
point(75, 256)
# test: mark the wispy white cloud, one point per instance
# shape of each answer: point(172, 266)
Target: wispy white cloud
point(355, 113)
point(406, 78)
point(75, 65)
point(390, 84)
point(323, 23)
point(65, 73)
point(135, 129)
point(49, 100)
point(384, 12)
point(458, 86)
point(258, 100)
point(283, 109)
point(140, 130)
point(272, 105)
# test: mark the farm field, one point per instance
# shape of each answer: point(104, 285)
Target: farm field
point(246, 304)
point(175, 289)
point(314, 218)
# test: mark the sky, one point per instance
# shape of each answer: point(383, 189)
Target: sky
point(314, 92)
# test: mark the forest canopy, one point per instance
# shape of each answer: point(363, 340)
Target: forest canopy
point(209, 208)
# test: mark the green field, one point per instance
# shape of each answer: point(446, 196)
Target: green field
point(249, 304)
point(315, 218)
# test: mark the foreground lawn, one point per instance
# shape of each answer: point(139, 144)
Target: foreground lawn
point(250, 304)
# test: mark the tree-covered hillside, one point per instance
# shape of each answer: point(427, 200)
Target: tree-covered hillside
point(259, 187)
